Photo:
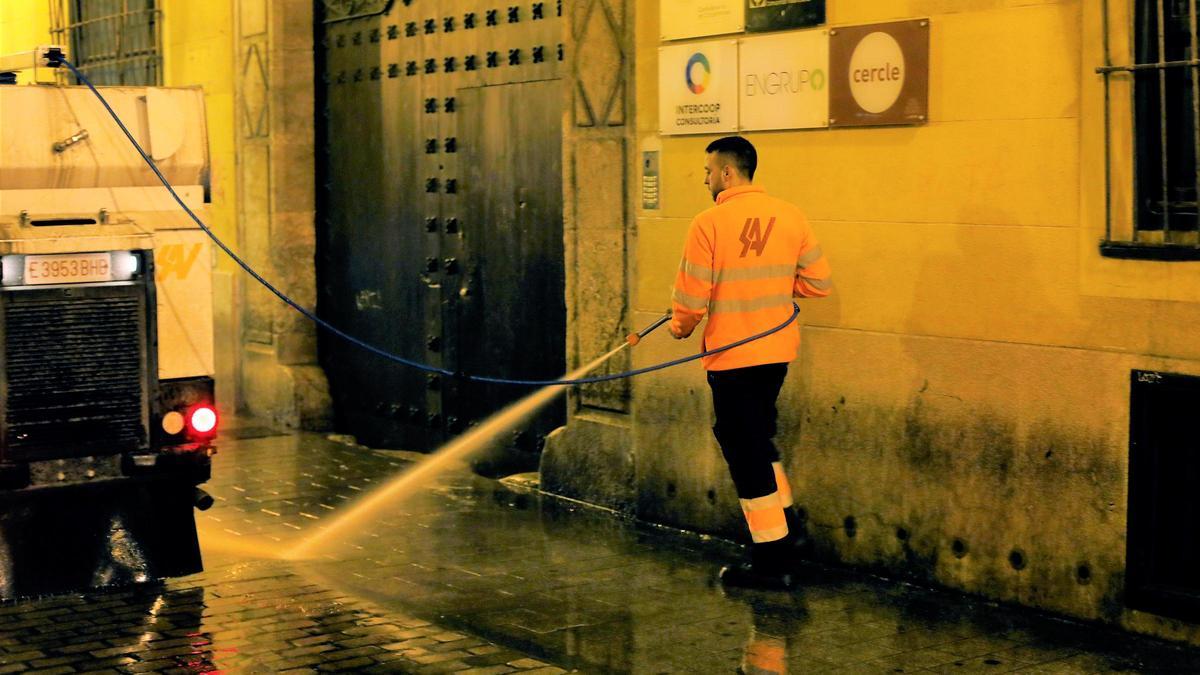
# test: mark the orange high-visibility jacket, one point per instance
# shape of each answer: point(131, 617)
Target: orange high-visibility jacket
point(744, 261)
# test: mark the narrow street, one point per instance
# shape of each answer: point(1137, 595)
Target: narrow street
point(480, 576)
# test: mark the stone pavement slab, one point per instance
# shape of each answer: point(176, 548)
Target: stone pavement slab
point(469, 575)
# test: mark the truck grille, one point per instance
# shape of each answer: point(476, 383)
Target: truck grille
point(75, 365)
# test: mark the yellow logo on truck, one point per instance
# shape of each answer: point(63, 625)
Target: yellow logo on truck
point(175, 260)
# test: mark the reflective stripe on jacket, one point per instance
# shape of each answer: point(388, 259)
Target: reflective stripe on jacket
point(744, 261)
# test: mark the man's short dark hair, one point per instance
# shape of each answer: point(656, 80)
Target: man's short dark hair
point(739, 151)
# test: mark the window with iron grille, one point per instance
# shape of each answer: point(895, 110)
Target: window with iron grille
point(112, 42)
point(1165, 120)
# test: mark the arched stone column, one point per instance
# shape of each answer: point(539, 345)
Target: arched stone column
point(592, 457)
point(280, 379)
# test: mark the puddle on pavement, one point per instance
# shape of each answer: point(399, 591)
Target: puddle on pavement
point(215, 539)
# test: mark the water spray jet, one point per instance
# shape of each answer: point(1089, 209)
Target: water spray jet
point(471, 442)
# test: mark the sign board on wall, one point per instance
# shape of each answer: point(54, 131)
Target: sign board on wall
point(879, 74)
point(783, 81)
point(681, 19)
point(764, 15)
point(698, 88)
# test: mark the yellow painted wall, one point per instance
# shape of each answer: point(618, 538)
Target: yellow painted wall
point(24, 24)
point(969, 378)
point(198, 50)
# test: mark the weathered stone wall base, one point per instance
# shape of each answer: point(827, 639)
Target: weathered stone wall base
point(996, 469)
point(280, 381)
point(591, 460)
point(289, 397)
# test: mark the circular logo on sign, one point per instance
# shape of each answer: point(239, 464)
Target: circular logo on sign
point(877, 72)
point(697, 73)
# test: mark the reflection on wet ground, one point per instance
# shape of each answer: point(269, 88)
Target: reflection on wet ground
point(471, 576)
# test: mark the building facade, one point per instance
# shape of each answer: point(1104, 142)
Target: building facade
point(995, 397)
point(961, 409)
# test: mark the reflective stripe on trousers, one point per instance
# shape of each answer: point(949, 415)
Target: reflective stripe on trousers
point(764, 516)
point(781, 484)
point(765, 655)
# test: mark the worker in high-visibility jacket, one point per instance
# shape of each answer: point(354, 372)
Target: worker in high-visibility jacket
point(744, 261)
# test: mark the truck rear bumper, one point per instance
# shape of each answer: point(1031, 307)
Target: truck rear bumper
point(59, 539)
point(17, 478)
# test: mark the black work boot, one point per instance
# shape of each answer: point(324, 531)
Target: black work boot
point(767, 570)
point(748, 575)
point(797, 522)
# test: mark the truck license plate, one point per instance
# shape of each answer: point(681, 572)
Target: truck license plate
point(75, 268)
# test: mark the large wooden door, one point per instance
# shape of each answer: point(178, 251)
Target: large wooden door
point(420, 250)
point(513, 314)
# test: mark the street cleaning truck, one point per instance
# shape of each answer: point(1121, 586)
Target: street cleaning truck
point(107, 410)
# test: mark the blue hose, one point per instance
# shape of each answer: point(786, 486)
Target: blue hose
point(376, 350)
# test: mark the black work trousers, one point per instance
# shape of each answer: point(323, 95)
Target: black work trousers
point(744, 403)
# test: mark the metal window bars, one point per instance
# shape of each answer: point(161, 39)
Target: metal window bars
point(1165, 109)
point(114, 42)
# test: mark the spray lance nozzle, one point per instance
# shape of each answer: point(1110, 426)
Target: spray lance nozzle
point(634, 338)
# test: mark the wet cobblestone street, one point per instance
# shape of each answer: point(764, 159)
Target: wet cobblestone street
point(478, 576)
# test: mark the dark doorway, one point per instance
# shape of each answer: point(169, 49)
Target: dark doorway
point(1163, 562)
